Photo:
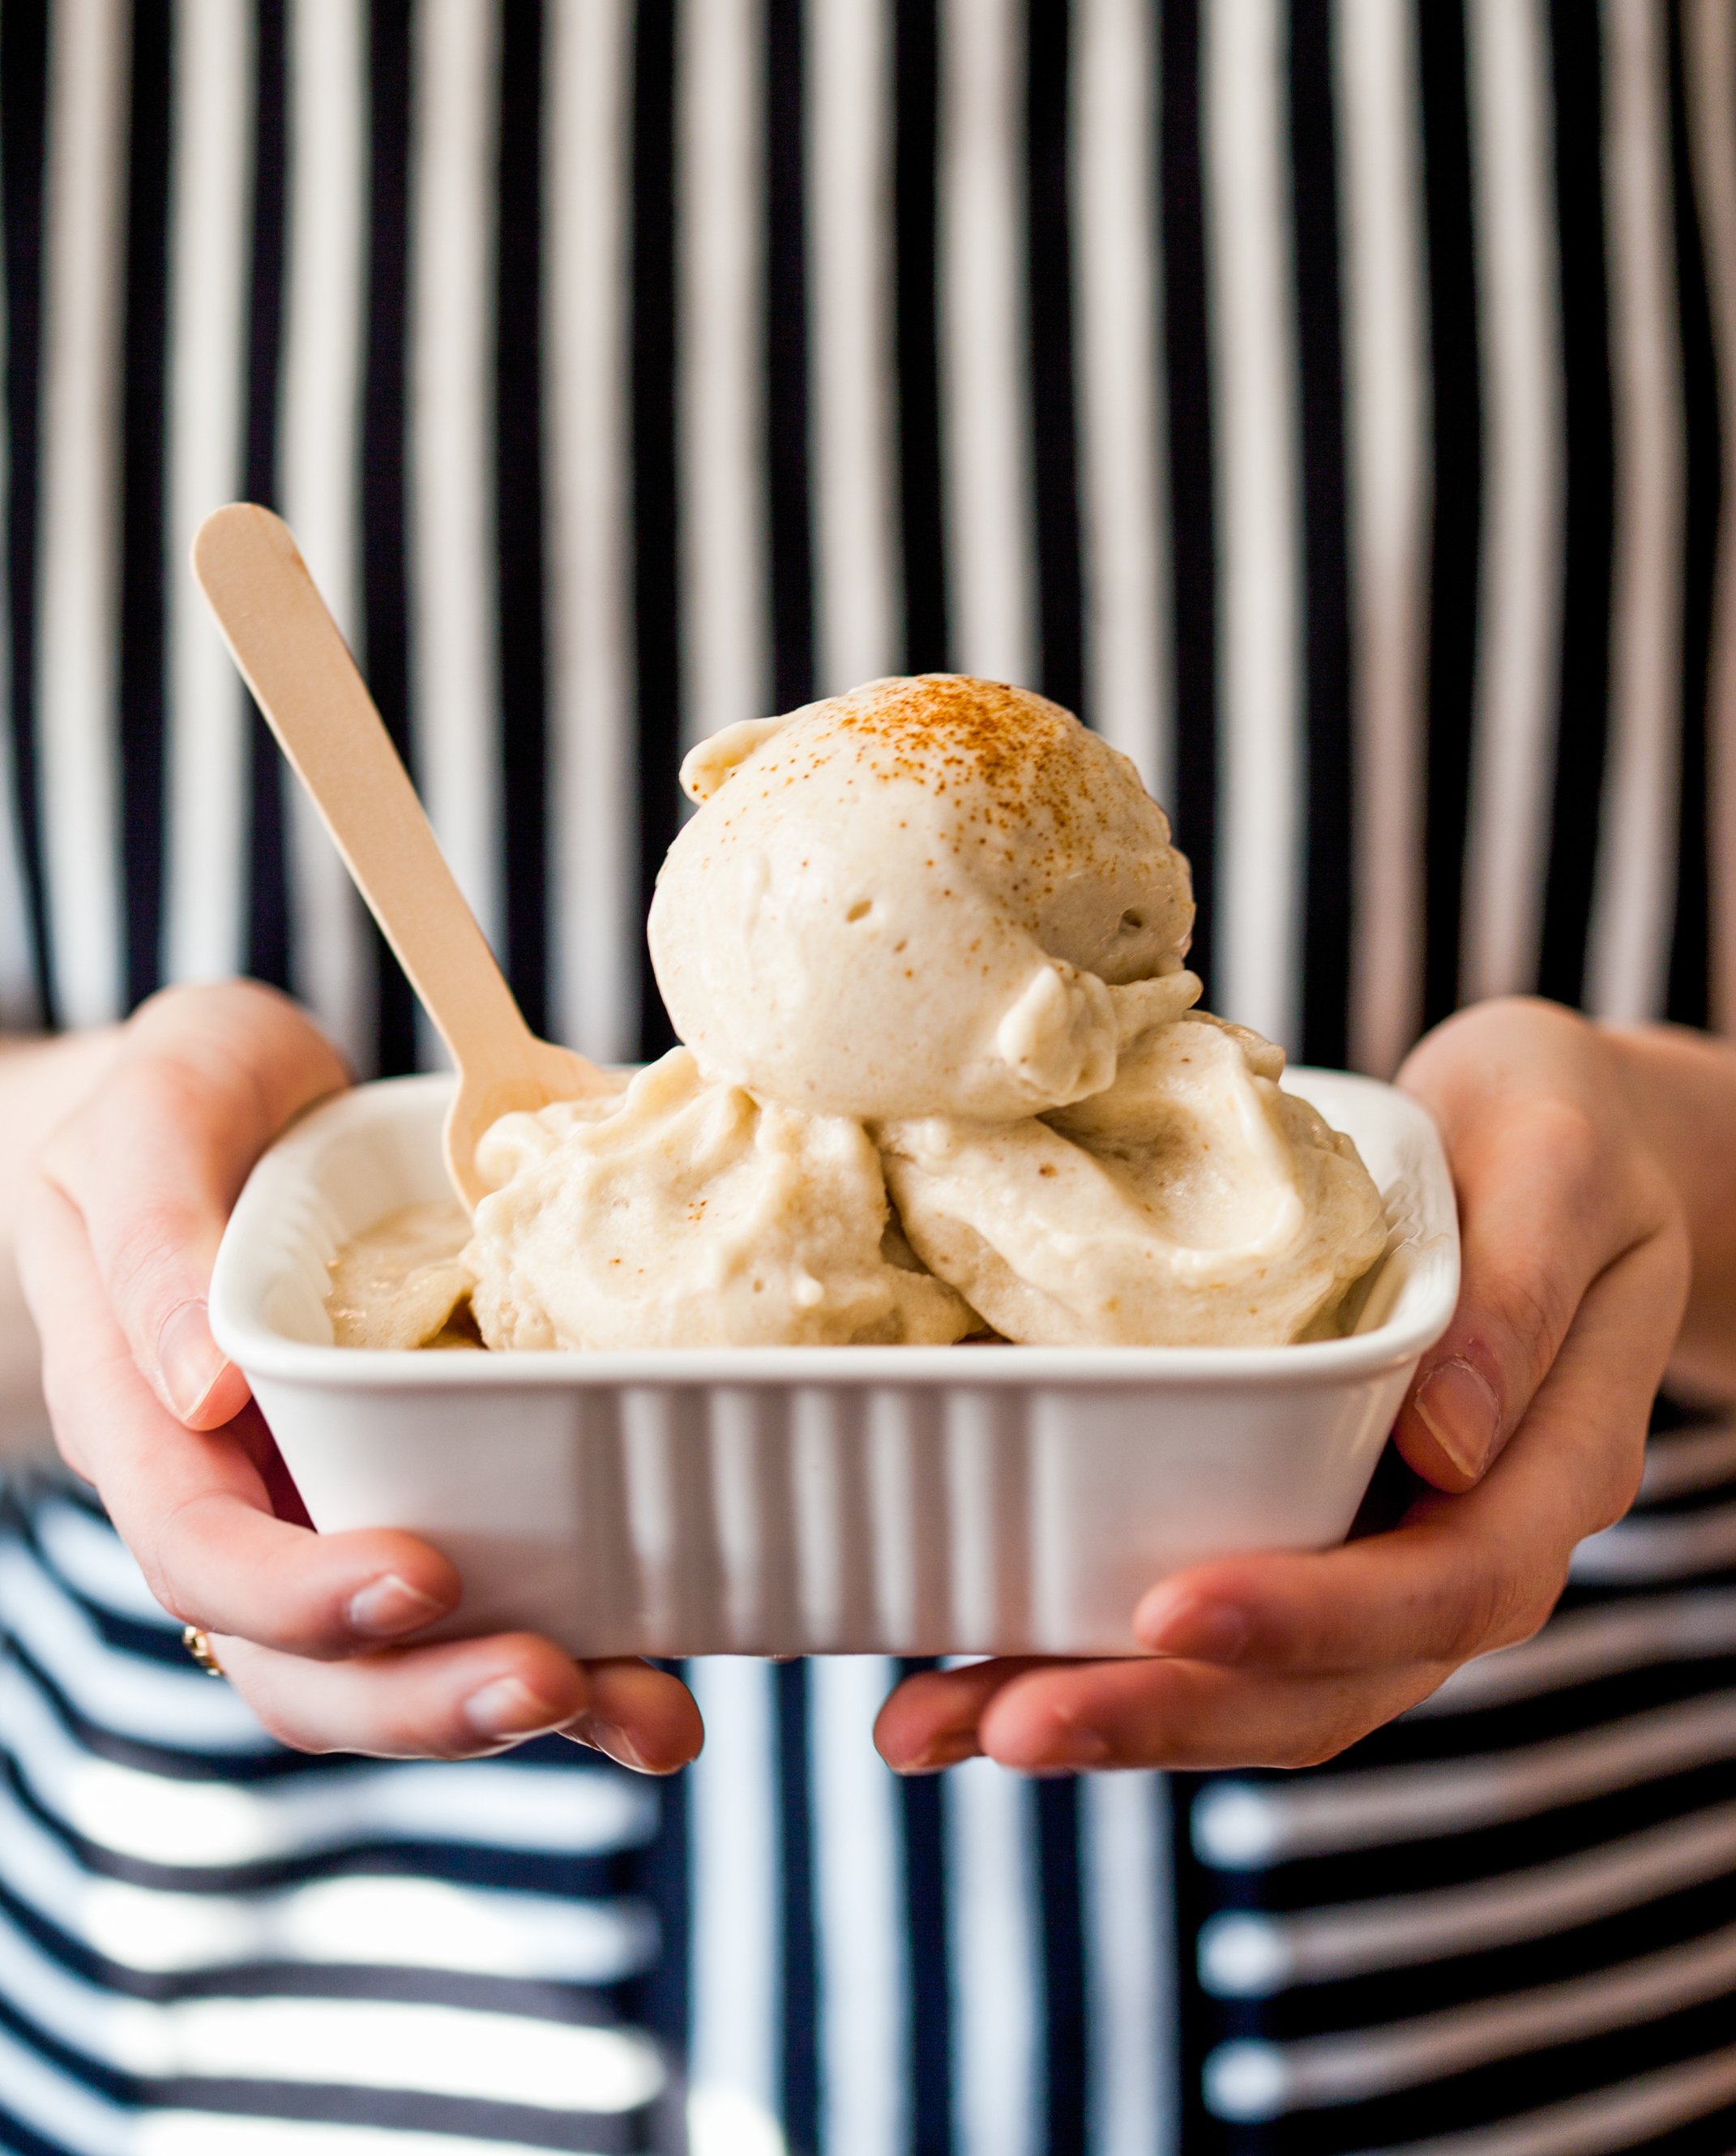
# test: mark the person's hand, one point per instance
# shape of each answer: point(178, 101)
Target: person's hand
point(1528, 1419)
point(120, 1229)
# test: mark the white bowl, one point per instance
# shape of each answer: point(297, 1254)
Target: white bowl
point(784, 1500)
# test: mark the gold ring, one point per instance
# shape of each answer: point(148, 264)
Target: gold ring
point(197, 1644)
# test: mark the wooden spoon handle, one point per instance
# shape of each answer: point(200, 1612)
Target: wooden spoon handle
point(303, 680)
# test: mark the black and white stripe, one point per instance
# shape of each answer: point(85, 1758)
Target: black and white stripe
point(85, 283)
point(450, 438)
point(847, 93)
point(319, 447)
point(1595, 1947)
point(1337, 401)
point(204, 1942)
point(213, 71)
point(1519, 595)
point(1386, 423)
point(1706, 65)
point(594, 921)
point(1117, 312)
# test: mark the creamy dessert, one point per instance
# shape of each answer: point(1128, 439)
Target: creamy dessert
point(695, 1214)
point(403, 1282)
point(929, 896)
point(942, 1075)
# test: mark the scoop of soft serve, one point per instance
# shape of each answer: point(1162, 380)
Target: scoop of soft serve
point(932, 896)
point(908, 934)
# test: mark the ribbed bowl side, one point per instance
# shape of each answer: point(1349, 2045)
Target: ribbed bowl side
point(765, 1520)
point(778, 1520)
point(762, 1520)
point(829, 1519)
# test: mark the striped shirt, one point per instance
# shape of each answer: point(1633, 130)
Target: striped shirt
point(1334, 401)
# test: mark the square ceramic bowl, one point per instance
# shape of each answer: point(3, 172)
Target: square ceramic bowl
point(784, 1500)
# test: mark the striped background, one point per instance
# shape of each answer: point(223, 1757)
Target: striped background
point(1298, 391)
point(1335, 401)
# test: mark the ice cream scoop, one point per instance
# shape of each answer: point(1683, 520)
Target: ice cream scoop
point(688, 1215)
point(932, 896)
point(1191, 1203)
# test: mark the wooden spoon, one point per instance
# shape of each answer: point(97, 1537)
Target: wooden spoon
point(300, 669)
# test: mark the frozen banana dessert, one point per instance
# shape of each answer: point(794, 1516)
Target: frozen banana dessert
point(403, 1282)
point(932, 896)
point(942, 1075)
point(695, 1214)
point(1190, 1203)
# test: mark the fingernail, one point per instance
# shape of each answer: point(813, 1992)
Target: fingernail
point(1458, 1408)
point(389, 1605)
point(609, 1738)
point(508, 1707)
point(948, 1751)
point(188, 1360)
point(1190, 1626)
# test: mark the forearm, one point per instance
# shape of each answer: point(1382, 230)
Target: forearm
point(41, 1080)
point(1682, 1088)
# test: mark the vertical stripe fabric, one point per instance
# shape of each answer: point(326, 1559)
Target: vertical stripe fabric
point(1709, 71)
point(77, 665)
point(18, 985)
point(1058, 604)
point(721, 224)
point(385, 643)
point(985, 384)
point(449, 439)
point(320, 450)
point(143, 420)
point(1326, 777)
point(268, 892)
point(863, 1978)
point(210, 243)
point(657, 526)
point(23, 96)
point(520, 522)
point(848, 51)
point(916, 64)
point(1519, 598)
point(1117, 310)
point(1195, 612)
point(1577, 82)
point(735, 2041)
point(1456, 497)
point(1688, 998)
point(1628, 961)
point(923, 1804)
point(1130, 1951)
point(1386, 426)
point(786, 440)
point(993, 1925)
point(593, 923)
point(1258, 939)
point(1335, 401)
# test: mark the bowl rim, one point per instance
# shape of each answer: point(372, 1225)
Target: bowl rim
point(244, 1271)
